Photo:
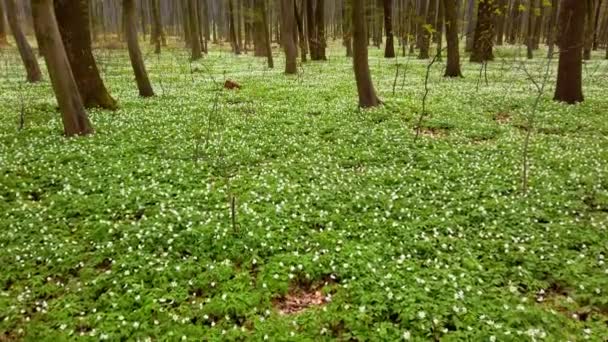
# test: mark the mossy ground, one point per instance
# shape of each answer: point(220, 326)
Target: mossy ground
point(129, 233)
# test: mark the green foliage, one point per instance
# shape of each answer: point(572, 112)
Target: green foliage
point(124, 235)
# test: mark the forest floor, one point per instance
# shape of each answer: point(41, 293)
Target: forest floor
point(281, 211)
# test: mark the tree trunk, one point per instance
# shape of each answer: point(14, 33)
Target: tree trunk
point(288, 24)
point(440, 25)
point(389, 49)
point(184, 7)
point(484, 32)
point(194, 31)
point(157, 29)
point(515, 20)
point(596, 21)
point(232, 22)
point(471, 21)
point(137, 62)
point(347, 28)
point(320, 30)
point(422, 32)
point(569, 87)
point(25, 50)
point(451, 27)
point(589, 26)
point(501, 21)
point(73, 18)
point(3, 38)
point(539, 15)
point(301, 34)
point(551, 26)
point(263, 17)
point(530, 30)
point(74, 116)
point(259, 29)
point(427, 30)
point(365, 87)
point(311, 30)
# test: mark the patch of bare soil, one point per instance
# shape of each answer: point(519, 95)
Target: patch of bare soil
point(502, 118)
point(434, 132)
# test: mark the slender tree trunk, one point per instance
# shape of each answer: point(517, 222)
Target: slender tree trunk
point(365, 87)
point(440, 25)
point(589, 26)
point(347, 28)
point(137, 61)
point(320, 30)
point(259, 29)
point(233, 37)
point(539, 16)
point(471, 21)
point(569, 87)
point(3, 38)
point(389, 49)
point(184, 7)
point(239, 23)
point(484, 32)
point(501, 21)
point(73, 17)
point(157, 29)
point(515, 20)
point(74, 116)
point(422, 32)
point(596, 21)
point(195, 42)
point(312, 30)
point(301, 34)
point(288, 25)
point(25, 50)
point(261, 7)
point(530, 30)
point(427, 30)
point(451, 26)
point(551, 26)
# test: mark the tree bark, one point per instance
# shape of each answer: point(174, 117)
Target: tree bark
point(73, 18)
point(301, 34)
point(259, 29)
point(232, 22)
point(539, 15)
point(530, 30)
point(365, 87)
point(3, 37)
point(320, 30)
point(311, 30)
point(551, 26)
point(501, 21)
point(589, 26)
point(73, 114)
point(423, 32)
point(195, 42)
point(25, 50)
point(288, 24)
point(157, 29)
point(471, 21)
point(137, 61)
point(389, 49)
point(569, 86)
point(596, 21)
point(515, 22)
point(451, 26)
point(484, 32)
point(347, 34)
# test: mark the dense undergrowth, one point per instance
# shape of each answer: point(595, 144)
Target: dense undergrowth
point(200, 212)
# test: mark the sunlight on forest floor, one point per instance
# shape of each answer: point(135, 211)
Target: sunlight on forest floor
point(363, 233)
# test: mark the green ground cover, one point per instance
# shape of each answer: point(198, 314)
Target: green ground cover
point(221, 215)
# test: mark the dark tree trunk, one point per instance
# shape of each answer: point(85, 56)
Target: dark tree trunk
point(3, 38)
point(259, 29)
point(389, 49)
point(440, 24)
point(423, 33)
point(471, 21)
point(596, 21)
point(589, 26)
point(25, 50)
point(195, 42)
point(530, 30)
point(288, 26)
point(157, 26)
point(320, 30)
point(184, 6)
point(484, 32)
point(301, 33)
point(538, 23)
point(347, 28)
point(515, 22)
point(137, 61)
point(73, 18)
point(501, 21)
point(236, 45)
point(427, 34)
point(451, 27)
point(73, 114)
point(263, 17)
point(312, 30)
point(569, 87)
point(551, 27)
point(365, 87)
